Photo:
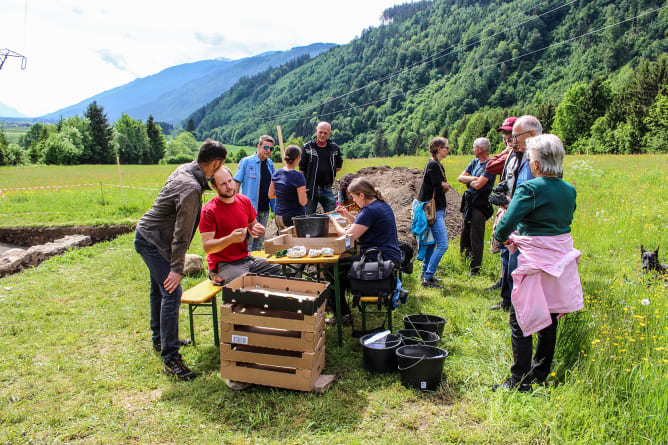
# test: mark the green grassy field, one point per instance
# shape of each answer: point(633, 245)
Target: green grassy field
point(78, 364)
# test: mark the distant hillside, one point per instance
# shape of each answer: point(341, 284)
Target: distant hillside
point(7, 111)
point(434, 65)
point(174, 93)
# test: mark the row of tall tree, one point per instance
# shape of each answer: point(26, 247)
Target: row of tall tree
point(91, 139)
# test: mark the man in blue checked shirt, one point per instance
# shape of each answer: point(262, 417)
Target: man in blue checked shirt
point(252, 179)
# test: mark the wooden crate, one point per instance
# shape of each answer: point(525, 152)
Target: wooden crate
point(270, 375)
point(270, 356)
point(240, 314)
point(339, 244)
point(272, 338)
point(286, 294)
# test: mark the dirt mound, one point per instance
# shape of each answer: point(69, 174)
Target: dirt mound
point(399, 186)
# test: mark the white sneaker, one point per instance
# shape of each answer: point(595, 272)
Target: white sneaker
point(237, 386)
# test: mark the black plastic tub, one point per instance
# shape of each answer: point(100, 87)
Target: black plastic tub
point(424, 322)
point(419, 337)
point(380, 356)
point(420, 366)
point(311, 226)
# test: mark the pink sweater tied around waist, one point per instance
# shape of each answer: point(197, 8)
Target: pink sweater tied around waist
point(546, 280)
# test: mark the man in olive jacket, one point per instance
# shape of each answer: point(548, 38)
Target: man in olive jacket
point(162, 238)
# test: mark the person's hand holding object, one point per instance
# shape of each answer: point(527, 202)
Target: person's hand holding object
point(238, 235)
point(257, 230)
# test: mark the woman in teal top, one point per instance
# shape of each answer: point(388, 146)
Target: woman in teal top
point(542, 206)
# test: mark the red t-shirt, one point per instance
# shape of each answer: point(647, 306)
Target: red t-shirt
point(222, 219)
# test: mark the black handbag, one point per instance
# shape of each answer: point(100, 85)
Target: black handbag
point(373, 278)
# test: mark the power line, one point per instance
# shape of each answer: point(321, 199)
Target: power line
point(431, 58)
point(603, 28)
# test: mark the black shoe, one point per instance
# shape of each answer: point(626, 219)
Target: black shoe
point(431, 283)
point(494, 286)
point(474, 273)
point(511, 384)
point(179, 369)
point(500, 305)
point(157, 347)
point(346, 320)
point(437, 280)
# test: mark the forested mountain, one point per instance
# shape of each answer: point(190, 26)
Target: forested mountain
point(457, 67)
point(175, 92)
point(7, 111)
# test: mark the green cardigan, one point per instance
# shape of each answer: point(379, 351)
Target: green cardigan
point(542, 206)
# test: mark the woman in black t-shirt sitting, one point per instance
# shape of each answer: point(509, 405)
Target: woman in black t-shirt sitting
point(375, 226)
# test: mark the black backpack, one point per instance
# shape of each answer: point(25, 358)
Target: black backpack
point(373, 278)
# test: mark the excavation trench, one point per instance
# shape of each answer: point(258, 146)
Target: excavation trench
point(24, 247)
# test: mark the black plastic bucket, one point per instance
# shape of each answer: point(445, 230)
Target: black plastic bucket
point(380, 356)
point(311, 226)
point(419, 337)
point(421, 366)
point(424, 322)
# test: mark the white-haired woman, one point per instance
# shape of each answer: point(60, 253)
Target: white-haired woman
point(546, 283)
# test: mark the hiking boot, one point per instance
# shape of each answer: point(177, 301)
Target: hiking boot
point(431, 283)
point(179, 369)
point(495, 286)
point(511, 384)
point(500, 305)
point(437, 280)
point(237, 386)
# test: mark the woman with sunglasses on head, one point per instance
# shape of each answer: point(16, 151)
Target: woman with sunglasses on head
point(288, 187)
point(435, 185)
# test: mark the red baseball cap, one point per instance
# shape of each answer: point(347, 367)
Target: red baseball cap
point(507, 124)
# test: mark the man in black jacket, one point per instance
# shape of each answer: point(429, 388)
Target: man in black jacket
point(162, 238)
point(320, 160)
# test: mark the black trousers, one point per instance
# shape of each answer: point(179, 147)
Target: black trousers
point(472, 242)
point(524, 369)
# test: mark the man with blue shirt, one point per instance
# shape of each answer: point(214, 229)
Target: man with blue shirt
point(516, 170)
point(475, 206)
point(252, 179)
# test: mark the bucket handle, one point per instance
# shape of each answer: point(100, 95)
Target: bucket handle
point(414, 364)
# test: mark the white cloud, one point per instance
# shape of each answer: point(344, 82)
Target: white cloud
point(76, 50)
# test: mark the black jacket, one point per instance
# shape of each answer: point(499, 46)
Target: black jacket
point(308, 164)
point(434, 174)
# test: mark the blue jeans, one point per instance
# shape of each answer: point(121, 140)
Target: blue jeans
point(324, 196)
point(258, 243)
point(436, 252)
point(164, 306)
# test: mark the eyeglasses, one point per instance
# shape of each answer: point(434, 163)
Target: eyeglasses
point(446, 146)
point(268, 147)
point(515, 137)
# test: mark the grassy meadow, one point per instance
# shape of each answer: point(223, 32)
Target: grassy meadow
point(78, 366)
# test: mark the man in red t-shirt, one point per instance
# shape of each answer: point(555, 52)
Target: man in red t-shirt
point(224, 223)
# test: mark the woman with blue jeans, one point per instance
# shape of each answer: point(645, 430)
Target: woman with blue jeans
point(434, 184)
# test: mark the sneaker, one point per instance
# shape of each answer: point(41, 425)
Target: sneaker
point(511, 384)
point(494, 286)
point(474, 273)
point(431, 283)
point(500, 305)
point(179, 369)
point(237, 386)
point(437, 280)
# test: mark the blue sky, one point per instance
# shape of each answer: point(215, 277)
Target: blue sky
point(77, 48)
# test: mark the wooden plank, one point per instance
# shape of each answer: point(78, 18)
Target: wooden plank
point(260, 317)
point(298, 379)
point(269, 356)
point(271, 338)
